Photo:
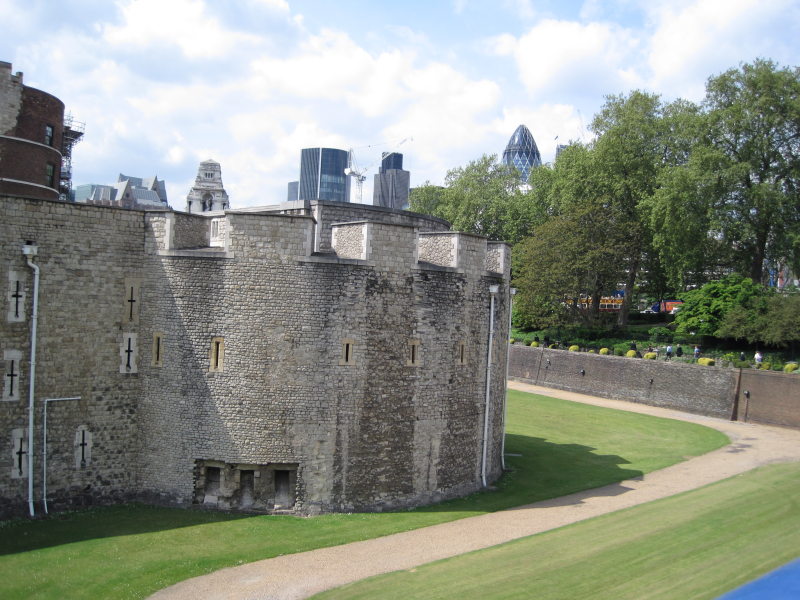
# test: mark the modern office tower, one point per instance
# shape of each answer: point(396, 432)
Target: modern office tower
point(522, 153)
point(322, 175)
point(292, 191)
point(391, 183)
point(207, 194)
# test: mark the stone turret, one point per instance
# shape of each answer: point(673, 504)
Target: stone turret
point(207, 194)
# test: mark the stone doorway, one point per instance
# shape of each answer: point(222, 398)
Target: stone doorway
point(284, 496)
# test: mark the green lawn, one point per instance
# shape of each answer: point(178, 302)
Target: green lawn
point(696, 545)
point(132, 551)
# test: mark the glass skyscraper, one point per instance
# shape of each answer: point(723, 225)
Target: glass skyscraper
point(522, 153)
point(322, 175)
point(391, 182)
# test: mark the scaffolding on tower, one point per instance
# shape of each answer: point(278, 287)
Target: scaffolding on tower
point(73, 132)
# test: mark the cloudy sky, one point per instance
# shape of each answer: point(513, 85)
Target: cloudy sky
point(164, 84)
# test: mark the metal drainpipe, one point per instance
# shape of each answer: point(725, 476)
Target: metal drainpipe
point(512, 292)
point(30, 250)
point(44, 447)
point(493, 289)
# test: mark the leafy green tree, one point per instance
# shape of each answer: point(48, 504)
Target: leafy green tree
point(770, 318)
point(704, 309)
point(483, 197)
point(734, 205)
point(425, 198)
point(634, 144)
point(578, 252)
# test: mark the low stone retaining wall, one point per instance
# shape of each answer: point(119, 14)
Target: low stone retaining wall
point(746, 395)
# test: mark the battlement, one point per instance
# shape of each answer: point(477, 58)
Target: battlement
point(279, 237)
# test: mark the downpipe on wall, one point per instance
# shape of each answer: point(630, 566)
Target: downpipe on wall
point(493, 289)
point(29, 250)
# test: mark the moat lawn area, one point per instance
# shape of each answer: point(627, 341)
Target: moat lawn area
point(555, 447)
point(696, 545)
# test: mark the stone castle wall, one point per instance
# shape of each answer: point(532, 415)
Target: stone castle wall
point(85, 255)
point(355, 382)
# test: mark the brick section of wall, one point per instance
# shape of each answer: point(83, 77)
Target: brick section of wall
point(85, 254)
point(24, 113)
point(349, 240)
point(770, 398)
point(691, 388)
point(438, 248)
point(190, 231)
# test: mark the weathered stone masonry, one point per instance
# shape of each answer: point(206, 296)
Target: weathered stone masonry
point(282, 421)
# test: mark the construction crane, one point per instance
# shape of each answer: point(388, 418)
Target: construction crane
point(353, 171)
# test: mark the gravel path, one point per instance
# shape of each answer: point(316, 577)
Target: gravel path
point(302, 575)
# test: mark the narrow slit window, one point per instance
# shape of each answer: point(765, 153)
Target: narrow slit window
point(217, 354)
point(128, 352)
point(158, 349)
point(12, 375)
point(461, 354)
point(414, 358)
point(131, 300)
point(50, 175)
point(348, 350)
point(16, 298)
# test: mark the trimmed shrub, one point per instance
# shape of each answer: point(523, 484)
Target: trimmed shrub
point(604, 351)
point(592, 351)
point(534, 344)
point(631, 354)
point(705, 360)
point(622, 349)
point(765, 366)
point(650, 355)
point(553, 346)
point(511, 341)
point(574, 348)
point(790, 367)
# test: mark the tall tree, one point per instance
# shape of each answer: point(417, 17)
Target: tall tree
point(578, 252)
point(483, 197)
point(750, 167)
point(631, 149)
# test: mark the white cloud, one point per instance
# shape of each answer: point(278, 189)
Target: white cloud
point(695, 39)
point(504, 44)
point(183, 23)
point(567, 57)
point(279, 5)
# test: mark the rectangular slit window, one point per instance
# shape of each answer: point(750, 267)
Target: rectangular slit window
point(348, 350)
point(158, 350)
point(413, 354)
point(217, 354)
point(461, 354)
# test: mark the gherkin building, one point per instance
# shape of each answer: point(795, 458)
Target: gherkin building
point(522, 153)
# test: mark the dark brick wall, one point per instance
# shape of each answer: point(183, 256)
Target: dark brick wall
point(770, 398)
point(25, 161)
point(743, 394)
point(691, 388)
